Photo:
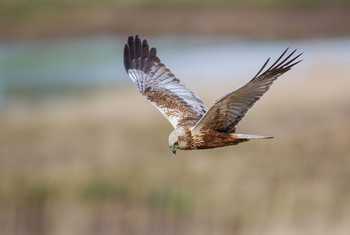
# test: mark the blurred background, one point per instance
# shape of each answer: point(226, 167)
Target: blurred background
point(81, 152)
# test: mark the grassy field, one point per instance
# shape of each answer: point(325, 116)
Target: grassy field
point(102, 166)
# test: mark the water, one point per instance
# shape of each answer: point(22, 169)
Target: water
point(44, 69)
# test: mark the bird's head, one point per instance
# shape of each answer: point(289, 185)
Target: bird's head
point(174, 142)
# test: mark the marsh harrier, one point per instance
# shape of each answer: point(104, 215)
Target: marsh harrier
point(195, 126)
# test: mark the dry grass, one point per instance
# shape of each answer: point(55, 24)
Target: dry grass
point(93, 168)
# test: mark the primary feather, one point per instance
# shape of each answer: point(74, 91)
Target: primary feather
point(225, 114)
point(155, 81)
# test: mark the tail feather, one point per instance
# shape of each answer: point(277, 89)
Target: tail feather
point(251, 137)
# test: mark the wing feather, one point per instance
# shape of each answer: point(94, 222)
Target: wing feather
point(155, 81)
point(225, 114)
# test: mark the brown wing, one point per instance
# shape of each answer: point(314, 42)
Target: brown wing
point(155, 81)
point(224, 115)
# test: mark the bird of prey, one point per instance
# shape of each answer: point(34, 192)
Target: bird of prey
point(195, 126)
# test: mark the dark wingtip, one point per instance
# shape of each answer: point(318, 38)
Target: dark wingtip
point(153, 52)
point(135, 48)
point(262, 67)
point(131, 44)
point(282, 64)
point(126, 57)
point(291, 65)
point(138, 50)
point(278, 59)
point(145, 48)
point(130, 40)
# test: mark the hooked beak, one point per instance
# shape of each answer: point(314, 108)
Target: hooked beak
point(173, 149)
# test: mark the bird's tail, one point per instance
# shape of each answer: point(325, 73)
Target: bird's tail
point(251, 137)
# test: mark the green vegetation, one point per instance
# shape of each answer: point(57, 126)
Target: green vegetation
point(99, 190)
point(172, 201)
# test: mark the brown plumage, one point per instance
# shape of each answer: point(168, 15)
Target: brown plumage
point(196, 127)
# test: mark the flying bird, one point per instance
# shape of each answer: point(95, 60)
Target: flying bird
point(196, 126)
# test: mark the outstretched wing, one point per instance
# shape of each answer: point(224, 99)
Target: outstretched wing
point(155, 81)
point(224, 115)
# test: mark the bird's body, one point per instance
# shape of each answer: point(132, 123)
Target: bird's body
point(195, 126)
point(208, 138)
